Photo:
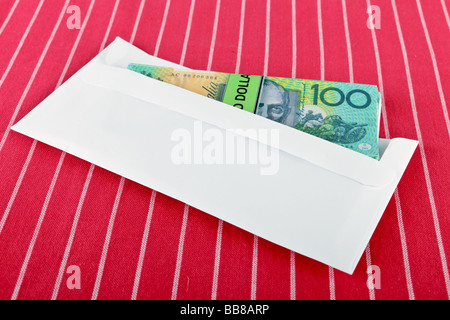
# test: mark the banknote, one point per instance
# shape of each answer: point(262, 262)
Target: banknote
point(347, 114)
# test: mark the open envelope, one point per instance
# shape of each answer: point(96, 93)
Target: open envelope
point(324, 201)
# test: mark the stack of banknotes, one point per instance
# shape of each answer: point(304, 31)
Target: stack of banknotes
point(347, 114)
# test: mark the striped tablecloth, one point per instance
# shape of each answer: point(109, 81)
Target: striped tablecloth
point(61, 217)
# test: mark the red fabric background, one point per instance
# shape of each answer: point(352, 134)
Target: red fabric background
point(129, 242)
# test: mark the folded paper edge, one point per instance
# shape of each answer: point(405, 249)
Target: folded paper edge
point(407, 148)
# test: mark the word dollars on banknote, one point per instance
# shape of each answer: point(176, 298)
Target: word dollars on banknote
point(344, 113)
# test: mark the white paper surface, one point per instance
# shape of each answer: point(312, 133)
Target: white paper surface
point(324, 201)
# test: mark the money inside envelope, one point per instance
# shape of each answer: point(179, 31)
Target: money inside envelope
point(347, 114)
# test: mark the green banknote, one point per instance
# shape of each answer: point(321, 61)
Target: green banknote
point(344, 113)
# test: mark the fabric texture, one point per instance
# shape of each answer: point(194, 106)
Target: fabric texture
point(61, 216)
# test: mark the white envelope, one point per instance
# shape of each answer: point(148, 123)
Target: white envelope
point(324, 201)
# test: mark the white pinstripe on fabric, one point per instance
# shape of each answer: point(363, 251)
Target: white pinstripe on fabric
point(136, 25)
point(254, 268)
point(322, 53)
point(267, 44)
point(109, 230)
point(188, 32)
point(422, 153)
point(214, 35)
point(444, 9)
point(144, 240)
point(111, 21)
point(435, 67)
point(16, 111)
point(348, 42)
point(55, 176)
point(294, 39)
point(409, 284)
point(87, 182)
point(176, 277)
point(292, 280)
point(241, 37)
point(332, 283)
point(215, 283)
point(22, 41)
point(161, 29)
point(8, 17)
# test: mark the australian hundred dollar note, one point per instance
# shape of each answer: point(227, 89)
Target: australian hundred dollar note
point(347, 114)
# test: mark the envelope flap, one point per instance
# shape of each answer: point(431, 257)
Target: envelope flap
point(348, 163)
